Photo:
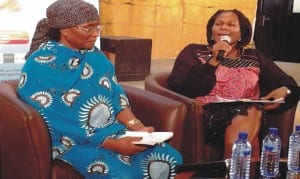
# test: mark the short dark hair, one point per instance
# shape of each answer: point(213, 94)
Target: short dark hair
point(245, 27)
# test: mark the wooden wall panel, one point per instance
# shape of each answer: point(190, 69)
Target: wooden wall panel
point(171, 24)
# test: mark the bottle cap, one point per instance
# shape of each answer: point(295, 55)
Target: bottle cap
point(273, 130)
point(243, 135)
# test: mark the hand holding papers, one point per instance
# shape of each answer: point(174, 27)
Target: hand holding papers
point(149, 138)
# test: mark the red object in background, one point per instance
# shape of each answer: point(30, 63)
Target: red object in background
point(13, 37)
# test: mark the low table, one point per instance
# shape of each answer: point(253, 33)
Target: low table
point(220, 169)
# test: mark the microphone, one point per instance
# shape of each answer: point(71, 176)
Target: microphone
point(220, 55)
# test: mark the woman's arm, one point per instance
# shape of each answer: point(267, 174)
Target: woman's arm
point(183, 64)
point(191, 75)
point(275, 83)
point(131, 122)
point(125, 145)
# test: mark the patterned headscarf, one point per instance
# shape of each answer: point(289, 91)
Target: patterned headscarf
point(62, 14)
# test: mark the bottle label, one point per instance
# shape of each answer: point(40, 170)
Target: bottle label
point(246, 153)
point(297, 147)
point(270, 148)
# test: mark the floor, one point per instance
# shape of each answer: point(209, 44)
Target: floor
point(165, 65)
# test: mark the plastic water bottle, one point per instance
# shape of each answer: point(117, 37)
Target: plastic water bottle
point(294, 151)
point(270, 154)
point(240, 157)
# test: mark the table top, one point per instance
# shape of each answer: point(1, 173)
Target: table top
point(219, 169)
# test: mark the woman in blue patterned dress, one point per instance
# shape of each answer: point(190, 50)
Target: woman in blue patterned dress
point(73, 86)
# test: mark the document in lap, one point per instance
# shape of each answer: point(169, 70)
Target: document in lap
point(149, 138)
point(245, 100)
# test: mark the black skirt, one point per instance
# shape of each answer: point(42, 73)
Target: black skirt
point(217, 116)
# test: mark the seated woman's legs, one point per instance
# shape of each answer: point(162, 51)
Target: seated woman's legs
point(251, 124)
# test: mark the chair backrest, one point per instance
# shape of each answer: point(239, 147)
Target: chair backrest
point(193, 132)
point(25, 144)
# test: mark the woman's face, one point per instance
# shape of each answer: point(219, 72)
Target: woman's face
point(80, 37)
point(227, 23)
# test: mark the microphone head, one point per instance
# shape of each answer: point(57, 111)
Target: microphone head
point(225, 38)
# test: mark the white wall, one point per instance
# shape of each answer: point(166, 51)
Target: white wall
point(17, 25)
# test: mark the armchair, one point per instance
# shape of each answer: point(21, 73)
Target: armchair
point(193, 133)
point(25, 150)
point(193, 138)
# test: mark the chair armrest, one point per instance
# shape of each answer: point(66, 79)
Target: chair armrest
point(25, 145)
point(193, 135)
point(64, 170)
point(158, 111)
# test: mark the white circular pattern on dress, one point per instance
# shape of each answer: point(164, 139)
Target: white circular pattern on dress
point(98, 167)
point(22, 80)
point(56, 152)
point(43, 98)
point(161, 162)
point(69, 97)
point(104, 82)
point(124, 102)
point(87, 72)
point(125, 159)
point(114, 78)
point(97, 112)
point(44, 59)
point(74, 63)
point(99, 115)
point(67, 142)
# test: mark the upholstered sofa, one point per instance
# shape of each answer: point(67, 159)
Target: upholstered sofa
point(25, 150)
point(193, 128)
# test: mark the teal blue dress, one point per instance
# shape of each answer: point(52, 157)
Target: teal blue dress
point(77, 94)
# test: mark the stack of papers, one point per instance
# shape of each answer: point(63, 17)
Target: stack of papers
point(245, 100)
point(149, 138)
